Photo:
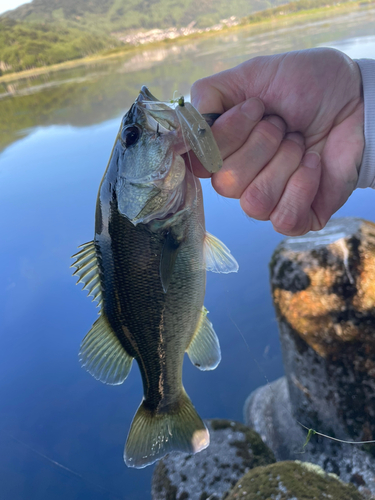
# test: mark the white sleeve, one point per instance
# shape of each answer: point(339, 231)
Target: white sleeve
point(367, 168)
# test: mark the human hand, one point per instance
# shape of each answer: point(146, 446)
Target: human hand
point(291, 135)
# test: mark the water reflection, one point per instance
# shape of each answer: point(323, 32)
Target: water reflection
point(356, 48)
point(87, 95)
point(49, 181)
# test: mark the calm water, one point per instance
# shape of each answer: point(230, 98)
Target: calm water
point(56, 132)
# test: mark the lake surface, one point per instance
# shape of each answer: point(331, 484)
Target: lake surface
point(62, 433)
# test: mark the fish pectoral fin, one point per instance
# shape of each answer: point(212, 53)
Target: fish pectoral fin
point(152, 435)
point(204, 349)
point(87, 270)
point(217, 256)
point(168, 259)
point(103, 355)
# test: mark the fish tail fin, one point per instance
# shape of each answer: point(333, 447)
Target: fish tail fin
point(153, 435)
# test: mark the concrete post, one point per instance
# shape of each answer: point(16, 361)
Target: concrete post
point(323, 288)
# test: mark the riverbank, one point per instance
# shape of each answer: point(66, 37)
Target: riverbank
point(285, 15)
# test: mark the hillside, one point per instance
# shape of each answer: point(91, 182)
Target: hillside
point(123, 15)
point(28, 45)
point(46, 32)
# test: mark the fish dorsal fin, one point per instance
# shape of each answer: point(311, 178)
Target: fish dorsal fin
point(103, 356)
point(204, 349)
point(168, 260)
point(87, 270)
point(217, 256)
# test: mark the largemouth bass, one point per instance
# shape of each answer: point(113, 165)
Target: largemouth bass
point(146, 268)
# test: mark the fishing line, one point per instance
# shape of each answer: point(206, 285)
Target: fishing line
point(176, 102)
point(186, 147)
point(61, 466)
point(251, 354)
point(310, 432)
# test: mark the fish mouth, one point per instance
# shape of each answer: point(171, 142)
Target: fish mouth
point(160, 117)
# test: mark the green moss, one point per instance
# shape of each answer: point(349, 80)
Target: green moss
point(218, 424)
point(257, 454)
point(292, 479)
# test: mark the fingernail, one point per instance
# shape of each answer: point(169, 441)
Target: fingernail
point(311, 160)
point(277, 121)
point(253, 108)
point(295, 137)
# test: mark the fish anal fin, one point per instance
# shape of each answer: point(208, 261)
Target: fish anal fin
point(87, 270)
point(168, 259)
point(103, 355)
point(152, 435)
point(204, 349)
point(217, 256)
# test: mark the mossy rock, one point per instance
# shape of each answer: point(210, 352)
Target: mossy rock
point(292, 481)
point(234, 450)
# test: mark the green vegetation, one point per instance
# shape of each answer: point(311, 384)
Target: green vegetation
point(285, 480)
point(123, 15)
point(296, 7)
point(92, 90)
point(30, 45)
point(47, 32)
point(80, 98)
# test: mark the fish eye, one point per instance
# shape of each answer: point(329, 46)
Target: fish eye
point(130, 135)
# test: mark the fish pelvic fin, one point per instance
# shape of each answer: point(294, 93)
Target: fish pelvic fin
point(217, 256)
point(152, 435)
point(103, 355)
point(204, 348)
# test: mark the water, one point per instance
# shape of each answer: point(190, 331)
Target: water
point(56, 133)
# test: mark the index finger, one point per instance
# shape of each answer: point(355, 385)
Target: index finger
point(216, 93)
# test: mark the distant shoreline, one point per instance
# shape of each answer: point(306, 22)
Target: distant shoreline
point(262, 19)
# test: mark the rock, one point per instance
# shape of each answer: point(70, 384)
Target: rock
point(292, 481)
point(323, 287)
point(268, 410)
point(234, 449)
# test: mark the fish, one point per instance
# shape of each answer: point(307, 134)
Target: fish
point(146, 268)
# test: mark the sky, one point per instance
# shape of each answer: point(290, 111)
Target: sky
point(11, 4)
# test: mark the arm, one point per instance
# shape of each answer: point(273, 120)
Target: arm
point(367, 171)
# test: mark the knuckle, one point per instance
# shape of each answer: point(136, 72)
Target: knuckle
point(200, 90)
point(292, 151)
point(318, 221)
point(257, 202)
point(286, 220)
point(268, 135)
point(197, 86)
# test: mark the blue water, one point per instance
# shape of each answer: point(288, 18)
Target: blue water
point(62, 433)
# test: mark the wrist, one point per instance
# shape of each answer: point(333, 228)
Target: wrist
point(367, 169)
